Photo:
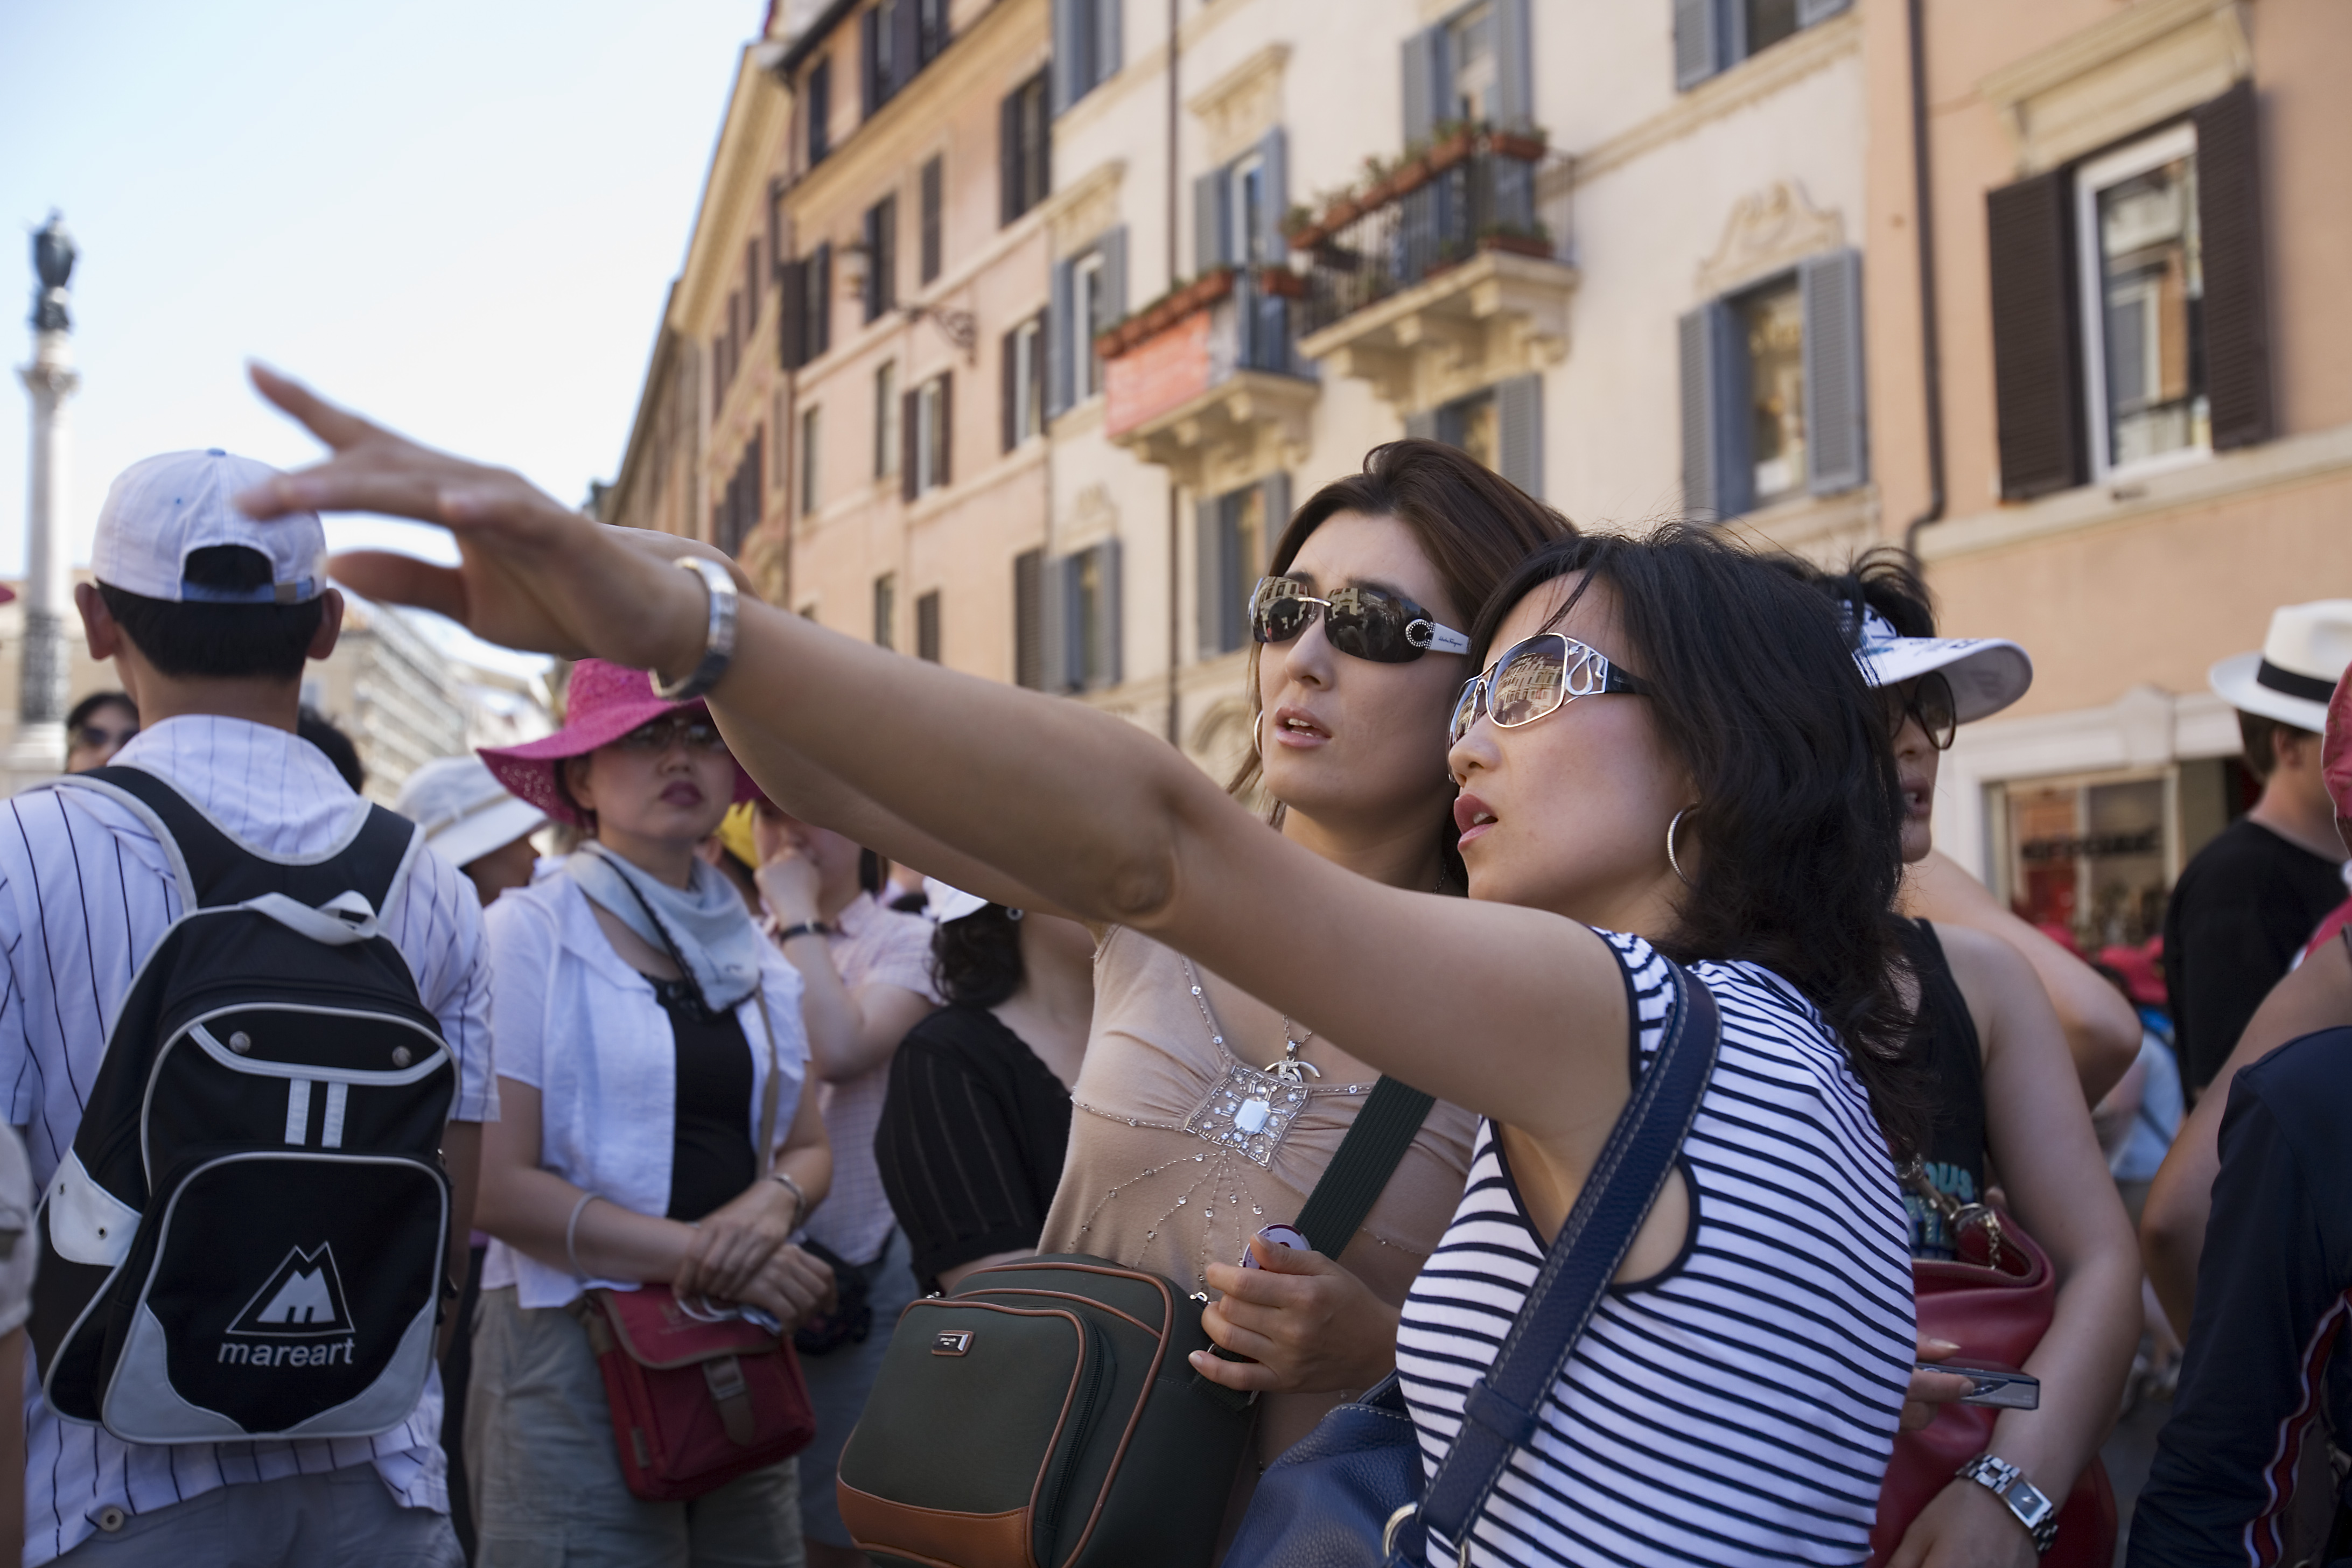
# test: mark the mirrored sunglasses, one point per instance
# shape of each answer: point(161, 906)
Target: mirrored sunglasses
point(1361, 622)
point(1536, 677)
point(698, 733)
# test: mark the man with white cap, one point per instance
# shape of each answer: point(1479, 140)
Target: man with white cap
point(2248, 902)
point(210, 618)
point(470, 821)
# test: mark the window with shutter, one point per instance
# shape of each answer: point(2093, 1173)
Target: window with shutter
point(905, 41)
point(819, 94)
point(886, 610)
point(1087, 50)
point(1422, 92)
point(885, 420)
point(1021, 130)
point(1065, 69)
point(1062, 339)
point(1518, 432)
point(1713, 485)
point(812, 452)
point(1698, 48)
point(2237, 327)
point(1233, 530)
point(1029, 619)
point(926, 626)
point(1095, 588)
point(1470, 74)
point(910, 425)
point(1514, 85)
point(882, 257)
point(1092, 313)
point(1210, 201)
point(1835, 410)
point(933, 182)
point(1060, 670)
point(2036, 357)
point(1108, 54)
point(1766, 446)
point(872, 67)
point(791, 317)
point(2137, 238)
point(945, 434)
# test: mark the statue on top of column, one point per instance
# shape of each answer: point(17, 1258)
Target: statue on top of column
point(53, 259)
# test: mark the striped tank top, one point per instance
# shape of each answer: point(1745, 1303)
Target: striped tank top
point(1740, 1407)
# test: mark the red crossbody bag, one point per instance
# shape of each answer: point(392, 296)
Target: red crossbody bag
point(697, 1402)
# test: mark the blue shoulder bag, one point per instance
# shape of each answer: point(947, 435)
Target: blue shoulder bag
point(1349, 1495)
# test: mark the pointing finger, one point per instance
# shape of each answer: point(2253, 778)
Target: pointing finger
point(338, 427)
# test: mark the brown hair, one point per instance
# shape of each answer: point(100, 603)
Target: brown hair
point(1475, 526)
point(2259, 734)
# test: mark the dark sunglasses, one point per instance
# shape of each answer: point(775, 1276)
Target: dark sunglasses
point(1928, 699)
point(97, 735)
point(700, 735)
point(1538, 677)
point(1363, 623)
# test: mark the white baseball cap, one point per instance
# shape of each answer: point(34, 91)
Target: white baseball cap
point(160, 509)
point(2292, 674)
point(1986, 674)
point(465, 811)
point(945, 902)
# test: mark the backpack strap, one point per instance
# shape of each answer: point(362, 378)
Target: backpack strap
point(1367, 1156)
point(215, 868)
point(1501, 1411)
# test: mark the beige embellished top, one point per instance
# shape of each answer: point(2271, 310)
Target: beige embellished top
point(1183, 1148)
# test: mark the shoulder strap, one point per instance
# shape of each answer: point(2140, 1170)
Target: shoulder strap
point(1367, 1156)
point(1500, 1412)
point(220, 870)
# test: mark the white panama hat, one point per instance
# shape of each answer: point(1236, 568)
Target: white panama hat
point(944, 902)
point(465, 811)
point(2295, 671)
point(1987, 674)
point(159, 509)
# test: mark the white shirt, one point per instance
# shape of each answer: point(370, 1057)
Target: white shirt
point(578, 1023)
point(870, 944)
point(84, 894)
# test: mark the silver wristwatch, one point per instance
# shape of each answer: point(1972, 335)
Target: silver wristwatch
point(717, 638)
point(2027, 1501)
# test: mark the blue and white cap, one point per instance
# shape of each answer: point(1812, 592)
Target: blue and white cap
point(1987, 674)
point(162, 509)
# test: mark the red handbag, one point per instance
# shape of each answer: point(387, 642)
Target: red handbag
point(1996, 1310)
point(695, 1404)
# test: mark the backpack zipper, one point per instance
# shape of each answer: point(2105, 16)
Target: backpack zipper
point(1095, 1350)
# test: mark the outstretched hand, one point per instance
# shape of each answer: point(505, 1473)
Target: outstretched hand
point(532, 573)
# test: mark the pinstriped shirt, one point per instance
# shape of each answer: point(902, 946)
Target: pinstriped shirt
point(84, 894)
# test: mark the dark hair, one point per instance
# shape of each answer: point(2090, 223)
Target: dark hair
point(1753, 685)
point(2259, 734)
point(96, 701)
point(319, 730)
point(1885, 579)
point(872, 870)
point(222, 641)
point(976, 961)
point(1473, 524)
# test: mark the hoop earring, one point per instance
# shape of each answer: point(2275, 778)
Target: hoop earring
point(1671, 826)
point(1257, 731)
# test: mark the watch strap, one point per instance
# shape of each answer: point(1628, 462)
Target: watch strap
point(2002, 1479)
point(805, 928)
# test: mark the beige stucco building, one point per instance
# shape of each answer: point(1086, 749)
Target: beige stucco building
point(2141, 248)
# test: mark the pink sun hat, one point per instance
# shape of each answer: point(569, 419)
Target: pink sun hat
point(605, 702)
point(2336, 748)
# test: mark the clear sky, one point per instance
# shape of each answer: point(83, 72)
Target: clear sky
point(460, 217)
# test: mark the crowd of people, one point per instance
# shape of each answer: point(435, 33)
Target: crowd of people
point(789, 983)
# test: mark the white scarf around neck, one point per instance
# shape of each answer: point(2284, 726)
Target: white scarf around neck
point(704, 924)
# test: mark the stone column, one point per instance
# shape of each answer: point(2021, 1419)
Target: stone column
point(38, 750)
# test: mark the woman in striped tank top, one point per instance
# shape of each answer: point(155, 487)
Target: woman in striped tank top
point(1675, 746)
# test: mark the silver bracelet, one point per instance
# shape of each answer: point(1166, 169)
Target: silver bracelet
point(800, 1198)
point(572, 1236)
point(717, 638)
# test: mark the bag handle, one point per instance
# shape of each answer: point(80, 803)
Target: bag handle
point(1360, 1172)
point(1500, 1411)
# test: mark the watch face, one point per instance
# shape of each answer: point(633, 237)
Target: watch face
point(2027, 1502)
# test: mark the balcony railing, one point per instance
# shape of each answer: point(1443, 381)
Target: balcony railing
point(1475, 191)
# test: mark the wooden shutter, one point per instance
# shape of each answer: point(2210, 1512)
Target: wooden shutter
point(821, 307)
point(1811, 11)
point(1108, 54)
point(2037, 346)
point(1518, 428)
point(1069, 71)
point(1210, 201)
point(1008, 348)
point(1421, 87)
point(934, 219)
point(792, 316)
point(1061, 336)
point(1104, 644)
point(910, 437)
point(926, 626)
point(1836, 434)
point(1008, 159)
point(1274, 158)
point(1058, 584)
point(1698, 46)
point(1515, 64)
point(905, 43)
point(885, 265)
point(1112, 247)
point(2237, 326)
point(1029, 619)
point(820, 110)
point(874, 265)
point(1209, 577)
point(943, 473)
point(870, 63)
point(1714, 483)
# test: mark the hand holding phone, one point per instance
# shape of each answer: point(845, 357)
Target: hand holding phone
point(1992, 1386)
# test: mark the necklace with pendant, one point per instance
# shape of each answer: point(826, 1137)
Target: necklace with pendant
point(1289, 1068)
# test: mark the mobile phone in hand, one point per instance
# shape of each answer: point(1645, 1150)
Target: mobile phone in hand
point(2001, 1390)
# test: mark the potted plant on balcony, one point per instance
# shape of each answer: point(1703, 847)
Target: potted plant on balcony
point(1526, 146)
point(1184, 300)
point(1454, 141)
point(1281, 283)
point(1520, 240)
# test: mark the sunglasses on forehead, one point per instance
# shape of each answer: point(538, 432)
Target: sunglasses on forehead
point(1535, 678)
point(1361, 622)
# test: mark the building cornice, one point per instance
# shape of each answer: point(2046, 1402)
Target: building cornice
point(757, 111)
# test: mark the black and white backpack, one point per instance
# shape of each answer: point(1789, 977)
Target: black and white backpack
point(246, 1239)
